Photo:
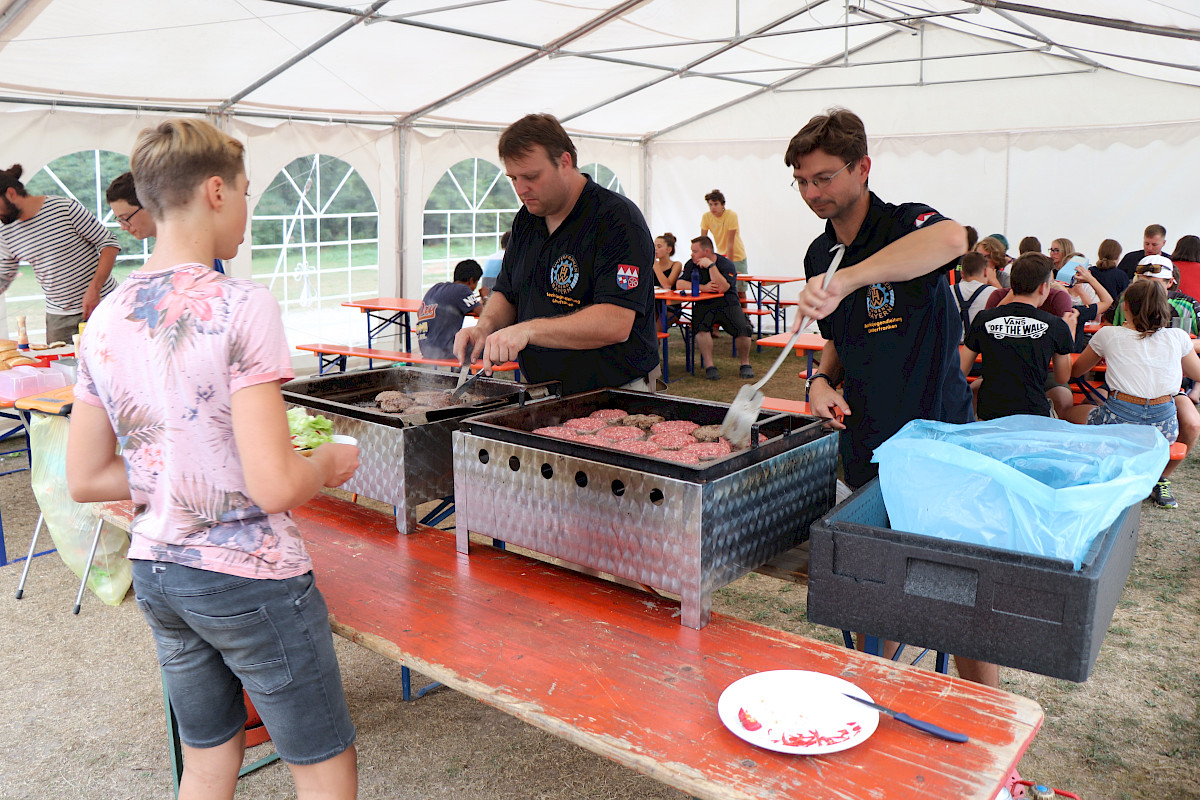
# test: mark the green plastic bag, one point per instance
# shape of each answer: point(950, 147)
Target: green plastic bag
point(71, 524)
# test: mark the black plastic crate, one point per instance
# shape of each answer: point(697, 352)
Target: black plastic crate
point(1029, 612)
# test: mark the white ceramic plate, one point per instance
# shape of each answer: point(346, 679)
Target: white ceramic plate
point(795, 711)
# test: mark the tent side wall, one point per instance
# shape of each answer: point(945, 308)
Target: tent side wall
point(1086, 183)
point(430, 152)
point(997, 164)
point(36, 137)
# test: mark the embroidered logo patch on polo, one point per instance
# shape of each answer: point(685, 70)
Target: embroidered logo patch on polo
point(564, 274)
point(627, 277)
point(921, 220)
point(881, 299)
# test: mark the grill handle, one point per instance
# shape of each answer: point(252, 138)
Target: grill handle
point(546, 390)
point(787, 421)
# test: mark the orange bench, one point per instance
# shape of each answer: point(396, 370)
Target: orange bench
point(786, 406)
point(330, 355)
point(776, 309)
point(769, 302)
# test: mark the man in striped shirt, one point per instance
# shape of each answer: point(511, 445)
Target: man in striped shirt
point(71, 252)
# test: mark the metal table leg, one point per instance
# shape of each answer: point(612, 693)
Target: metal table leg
point(87, 567)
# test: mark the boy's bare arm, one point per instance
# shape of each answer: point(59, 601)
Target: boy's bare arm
point(277, 477)
point(967, 358)
point(1062, 368)
point(95, 472)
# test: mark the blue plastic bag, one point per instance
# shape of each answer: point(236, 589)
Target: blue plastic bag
point(1030, 484)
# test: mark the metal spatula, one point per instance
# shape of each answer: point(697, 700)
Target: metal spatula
point(743, 411)
point(464, 370)
point(464, 382)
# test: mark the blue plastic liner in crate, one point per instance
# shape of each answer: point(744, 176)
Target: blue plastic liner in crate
point(1027, 484)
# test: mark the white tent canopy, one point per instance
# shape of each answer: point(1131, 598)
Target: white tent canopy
point(1074, 118)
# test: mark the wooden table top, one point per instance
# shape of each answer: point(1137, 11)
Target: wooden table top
point(612, 670)
point(385, 304)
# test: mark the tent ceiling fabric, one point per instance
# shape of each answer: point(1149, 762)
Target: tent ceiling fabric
point(627, 69)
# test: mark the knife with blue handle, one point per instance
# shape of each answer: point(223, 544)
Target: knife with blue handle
point(919, 724)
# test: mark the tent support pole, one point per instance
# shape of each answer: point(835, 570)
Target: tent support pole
point(402, 134)
point(645, 180)
point(592, 25)
point(1088, 19)
point(303, 54)
point(687, 67)
point(773, 87)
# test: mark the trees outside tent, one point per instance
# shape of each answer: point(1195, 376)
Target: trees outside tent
point(469, 207)
point(467, 210)
point(603, 176)
point(314, 241)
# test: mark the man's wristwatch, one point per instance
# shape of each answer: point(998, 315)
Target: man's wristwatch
point(808, 383)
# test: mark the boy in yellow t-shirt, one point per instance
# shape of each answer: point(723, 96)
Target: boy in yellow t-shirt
point(726, 235)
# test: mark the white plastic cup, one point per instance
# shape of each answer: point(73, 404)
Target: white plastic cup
point(338, 438)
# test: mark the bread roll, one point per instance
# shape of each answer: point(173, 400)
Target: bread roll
point(22, 361)
point(7, 344)
point(9, 352)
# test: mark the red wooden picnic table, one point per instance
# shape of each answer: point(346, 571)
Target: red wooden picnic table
point(661, 298)
point(384, 312)
point(611, 669)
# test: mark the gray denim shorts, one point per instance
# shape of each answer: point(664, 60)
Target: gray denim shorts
point(218, 633)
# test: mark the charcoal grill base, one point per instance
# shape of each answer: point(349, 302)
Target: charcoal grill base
point(684, 537)
point(404, 460)
point(405, 467)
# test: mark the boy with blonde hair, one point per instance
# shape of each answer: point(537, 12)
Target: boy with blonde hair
point(186, 364)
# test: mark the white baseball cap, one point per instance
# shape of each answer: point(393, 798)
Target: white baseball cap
point(1158, 267)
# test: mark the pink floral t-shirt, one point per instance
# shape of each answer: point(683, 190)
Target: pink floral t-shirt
point(163, 356)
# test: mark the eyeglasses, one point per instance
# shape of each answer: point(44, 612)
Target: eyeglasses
point(124, 221)
point(819, 181)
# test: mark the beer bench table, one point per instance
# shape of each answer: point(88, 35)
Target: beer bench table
point(612, 670)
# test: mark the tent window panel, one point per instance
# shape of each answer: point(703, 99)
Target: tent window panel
point(83, 176)
point(603, 176)
point(465, 213)
point(314, 241)
point(462, 223)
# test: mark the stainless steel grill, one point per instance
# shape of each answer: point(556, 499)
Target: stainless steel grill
point(683, 529)
point(405, 459)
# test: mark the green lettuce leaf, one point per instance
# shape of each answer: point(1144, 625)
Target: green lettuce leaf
point(308, 432)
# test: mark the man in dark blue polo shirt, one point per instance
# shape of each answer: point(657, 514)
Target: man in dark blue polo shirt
point(574, 298)
point(890, 318)
point(716, 274)
point(889, 314)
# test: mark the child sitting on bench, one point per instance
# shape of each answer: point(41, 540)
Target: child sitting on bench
point(1018, 340)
